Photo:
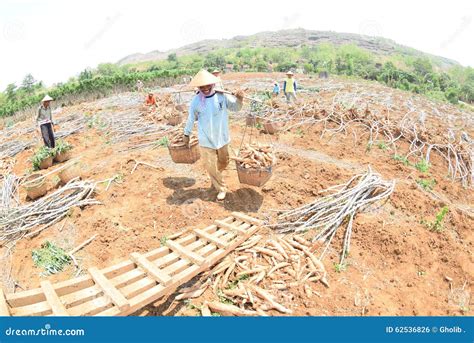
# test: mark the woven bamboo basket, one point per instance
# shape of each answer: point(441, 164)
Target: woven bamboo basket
point(271, 127)
point(253, 176)
point(35, 186)
point(64, 156)
point(175, 120)
point(252, 120)
point(184, 154)
point(46, 163)
point(70, 172)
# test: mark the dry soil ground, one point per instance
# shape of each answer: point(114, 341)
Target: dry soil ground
point(397, 266)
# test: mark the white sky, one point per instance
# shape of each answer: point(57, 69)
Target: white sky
point(54, 40)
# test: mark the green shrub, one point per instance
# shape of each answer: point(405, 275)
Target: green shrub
point(426, 184)
point(42, 154)
point(62, 147)
point(422, 166)
point(437, 225)
point(50, 257)
point(402, 159)
point(162, 142)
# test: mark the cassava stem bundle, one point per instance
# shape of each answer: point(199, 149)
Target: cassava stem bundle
point(47, 211)
point(328, 213)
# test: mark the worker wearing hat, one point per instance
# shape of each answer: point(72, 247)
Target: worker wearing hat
point(217, 73)
point(44, 121)
point(289, 87)
point(209, 107)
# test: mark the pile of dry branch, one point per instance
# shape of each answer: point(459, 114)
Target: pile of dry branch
point(20, 220)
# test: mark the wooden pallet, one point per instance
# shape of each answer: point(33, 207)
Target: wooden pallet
point(124, 288)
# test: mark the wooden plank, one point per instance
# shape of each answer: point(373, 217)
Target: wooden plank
point(138, 287)
point(4, 311)
point(25, 298)
point(152, 270)
point(38, 309)
point(230, 227)
point(185, 274)
point(203, 251)
point(92, 307)
point(136, 275)
point(33, 296)
point(117, 298)
point(185, 253)
point(247, 218)
point(128, 278)
point(82, 296)
point(214, 240)
point(53, 299)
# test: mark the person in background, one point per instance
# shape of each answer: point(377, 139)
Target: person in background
point(276, 90)
point(219, 84)
point(44, 121)
point(209, 107)
point(289, 87)
point(139, 86)
point(151, 100)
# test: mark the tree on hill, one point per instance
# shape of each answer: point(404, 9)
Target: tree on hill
point(28, 83)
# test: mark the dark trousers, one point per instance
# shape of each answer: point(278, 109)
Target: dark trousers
point(48, 135)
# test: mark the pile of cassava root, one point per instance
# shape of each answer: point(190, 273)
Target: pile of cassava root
point(255, 156)
point(176, 139)
point(261, 277)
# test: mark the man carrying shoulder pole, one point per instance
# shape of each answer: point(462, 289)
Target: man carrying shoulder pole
point(209, 107)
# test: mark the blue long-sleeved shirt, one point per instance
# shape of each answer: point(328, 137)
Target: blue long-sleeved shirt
point(213, 119)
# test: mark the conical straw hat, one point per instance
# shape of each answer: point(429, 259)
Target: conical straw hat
point(203, 78)
point(289, 72)
point(47, 98)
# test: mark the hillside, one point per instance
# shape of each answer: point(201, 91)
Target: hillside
point(290, 38)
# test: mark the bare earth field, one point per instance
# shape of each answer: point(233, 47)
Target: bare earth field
point(396, 265)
